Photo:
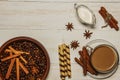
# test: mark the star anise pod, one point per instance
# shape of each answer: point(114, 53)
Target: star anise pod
point(87, 34)
point(74, 44)
point(69, 26)
point(34, 70)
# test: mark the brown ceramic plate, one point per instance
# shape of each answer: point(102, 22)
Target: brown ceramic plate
point(34, 64)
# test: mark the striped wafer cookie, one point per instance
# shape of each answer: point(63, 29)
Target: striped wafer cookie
point(67, 55)
point(65, 60)
point(61, 62)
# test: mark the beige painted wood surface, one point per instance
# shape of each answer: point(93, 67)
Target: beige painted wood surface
point(90, 1)
point(45, 20)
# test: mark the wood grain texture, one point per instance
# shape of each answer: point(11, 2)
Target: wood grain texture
point(88, 1)
point(45, 20)
point(36, 15)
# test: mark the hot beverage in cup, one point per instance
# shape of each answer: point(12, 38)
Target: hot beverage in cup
point(104, 58)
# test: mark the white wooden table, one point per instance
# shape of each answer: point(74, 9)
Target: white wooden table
point(45, 20)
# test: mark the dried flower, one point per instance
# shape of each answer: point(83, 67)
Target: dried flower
point(74, 44)
point(69, 26)
point(87, 34)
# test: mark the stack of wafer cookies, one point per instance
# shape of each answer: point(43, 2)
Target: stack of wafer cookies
point(64, 61)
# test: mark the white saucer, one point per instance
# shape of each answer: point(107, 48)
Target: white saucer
point(90, 46)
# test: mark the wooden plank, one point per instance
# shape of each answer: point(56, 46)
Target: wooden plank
point(36, 15)
point(88, 1)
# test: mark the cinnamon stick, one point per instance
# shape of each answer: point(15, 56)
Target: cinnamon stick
point(105, 11)
point(112, 22)
point(17, 52)
point(20, 52)
point(87, 57)
point(18, 63)
point(17, 69)
point(10, 57)
point(85, 53)
point(23, 59)
point(79, 62)
point(24, 68)
point(89, 69)
point(10, 67)
point(84, 63)
point(8, 50)
point(105, 17)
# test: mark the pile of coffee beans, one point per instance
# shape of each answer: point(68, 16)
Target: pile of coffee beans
point(36, 60)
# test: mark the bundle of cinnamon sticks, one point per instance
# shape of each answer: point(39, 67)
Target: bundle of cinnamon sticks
point(14, 57)
point(84, 61)
point(109, 19)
